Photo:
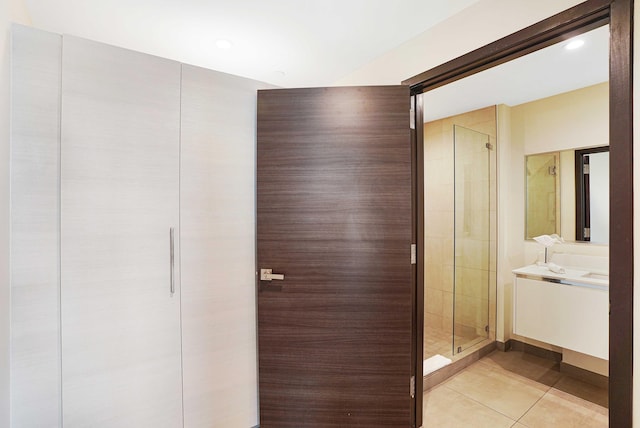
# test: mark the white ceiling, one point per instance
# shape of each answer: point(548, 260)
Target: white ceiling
point(291, 43)
point(541, 74)
point(295, 43)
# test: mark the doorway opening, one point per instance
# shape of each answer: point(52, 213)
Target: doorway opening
point(587, 16)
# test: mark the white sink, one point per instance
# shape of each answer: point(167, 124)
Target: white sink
point(599, 279)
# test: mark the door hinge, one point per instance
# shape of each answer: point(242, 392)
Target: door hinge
point(412, 386)
point(553, 170)
point(587, 232)
point(412, 119)
point(585, 169)
point(414, 255)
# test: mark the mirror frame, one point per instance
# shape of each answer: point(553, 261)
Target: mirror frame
point(574, 21)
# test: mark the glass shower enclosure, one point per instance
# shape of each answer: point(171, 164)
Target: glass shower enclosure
point(472, 239)
point(459, 234)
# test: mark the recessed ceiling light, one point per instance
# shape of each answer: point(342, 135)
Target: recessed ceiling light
point(574, 44)
point(223, 44)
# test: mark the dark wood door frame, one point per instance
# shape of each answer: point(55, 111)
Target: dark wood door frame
point(579, 19)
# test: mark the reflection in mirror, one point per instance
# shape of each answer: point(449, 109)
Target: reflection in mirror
point(592, 195)
point(581, 194)
point(543, 195)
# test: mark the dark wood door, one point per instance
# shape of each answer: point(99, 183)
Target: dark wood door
point(334, 205)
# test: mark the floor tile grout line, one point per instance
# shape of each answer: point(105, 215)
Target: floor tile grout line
point(548, 388)
point(496, 410)
point(532, 406)
point(562, 376)
point(482, 404)
point(496, 368)
point(588, 402)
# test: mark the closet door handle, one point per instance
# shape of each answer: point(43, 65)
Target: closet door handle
point(172, 287)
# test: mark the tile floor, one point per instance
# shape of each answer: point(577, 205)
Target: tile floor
point(514, 389)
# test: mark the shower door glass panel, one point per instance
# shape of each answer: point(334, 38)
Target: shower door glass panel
point(471, 237)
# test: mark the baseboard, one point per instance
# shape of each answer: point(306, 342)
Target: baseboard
point(503, 346)
point(516, 345)
point(573, 371)
point(585, 375)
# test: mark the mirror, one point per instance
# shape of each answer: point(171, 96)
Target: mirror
point(543, 195)
point(567, 193)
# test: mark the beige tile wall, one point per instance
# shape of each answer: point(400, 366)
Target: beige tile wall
point(439, 221)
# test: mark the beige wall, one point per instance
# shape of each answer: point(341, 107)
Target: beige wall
point(474, 27)
point(12, 10)
point(571, 120)
point(438, 228)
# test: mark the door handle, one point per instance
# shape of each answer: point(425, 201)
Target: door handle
point(268, 275)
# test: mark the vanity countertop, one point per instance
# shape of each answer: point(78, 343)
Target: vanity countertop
point(579, 277)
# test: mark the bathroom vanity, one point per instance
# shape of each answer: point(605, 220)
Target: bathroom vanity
point(569, 310)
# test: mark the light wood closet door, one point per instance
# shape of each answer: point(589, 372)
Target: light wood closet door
point(121, 359)
point(35, 150)
point(217, 205)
